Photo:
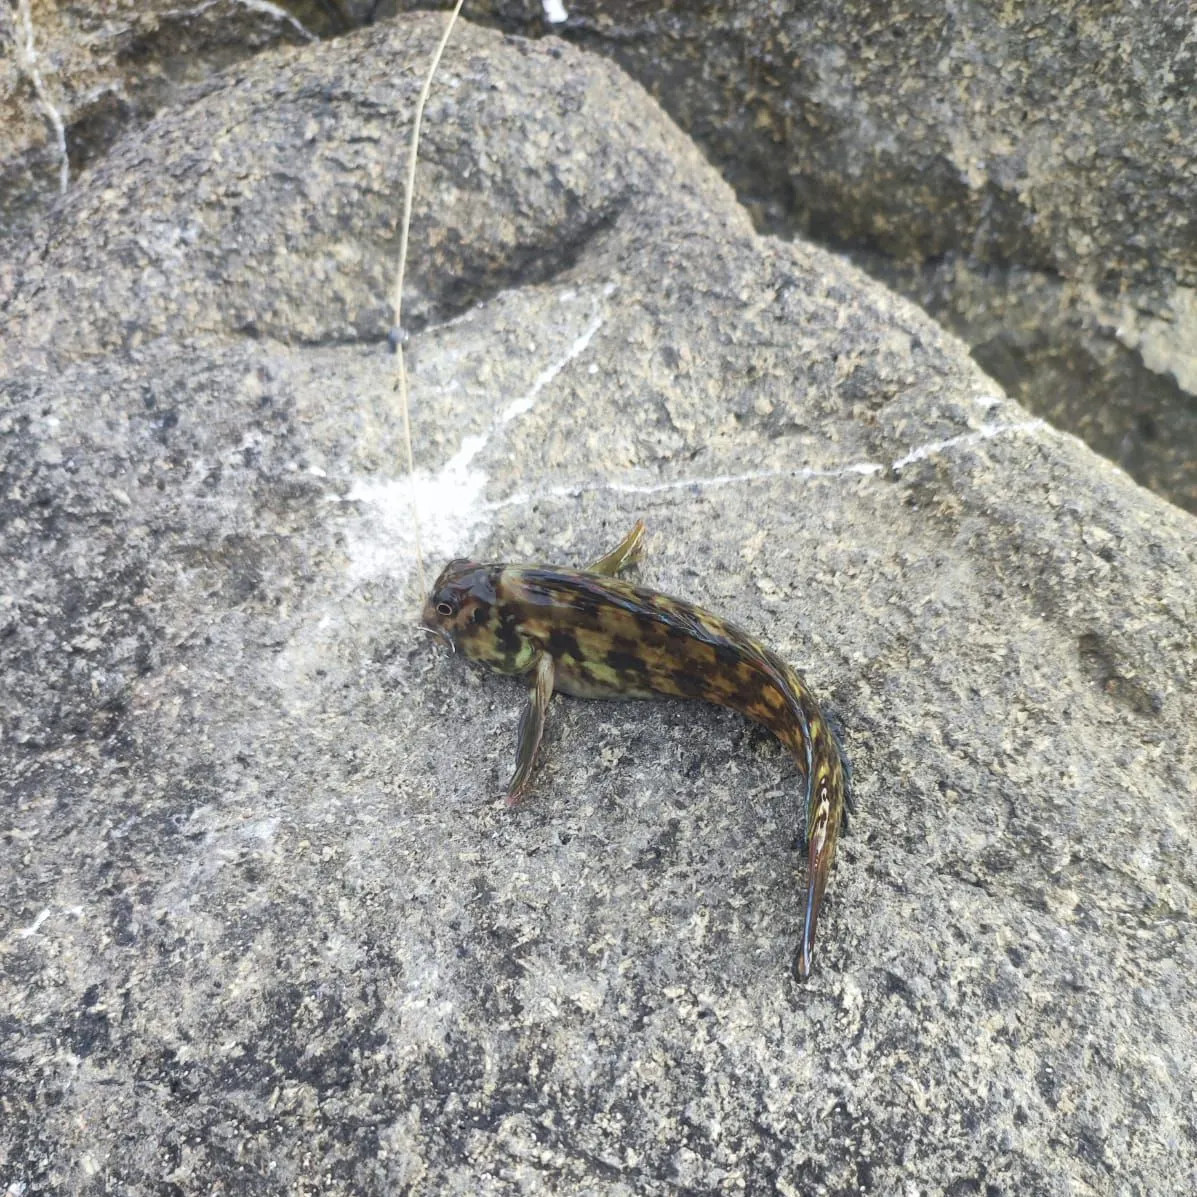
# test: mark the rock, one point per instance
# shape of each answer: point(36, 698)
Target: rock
point(1118, 376)
point(104, 70)
point(262, 925)
point(1028, 175)
point(1045, 223)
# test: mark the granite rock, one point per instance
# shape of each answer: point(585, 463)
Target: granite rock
point(100, 70)
point(1027, 173)
point(263, 927)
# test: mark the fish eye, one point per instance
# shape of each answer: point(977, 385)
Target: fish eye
point(445, 608)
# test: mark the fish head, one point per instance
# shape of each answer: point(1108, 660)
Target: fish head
point(452, 606)
point(464, 609)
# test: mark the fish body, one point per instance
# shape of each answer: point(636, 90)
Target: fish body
point(592, 635)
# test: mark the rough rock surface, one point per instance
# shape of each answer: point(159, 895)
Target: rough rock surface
point(262, 928)
point(1026, 175)
point(1026, 172)
point(105, 67)
point(1121, 377)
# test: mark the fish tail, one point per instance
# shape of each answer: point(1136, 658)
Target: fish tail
point(824, 813)
point(818, 868)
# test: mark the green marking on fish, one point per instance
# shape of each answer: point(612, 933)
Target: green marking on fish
point(589, 634)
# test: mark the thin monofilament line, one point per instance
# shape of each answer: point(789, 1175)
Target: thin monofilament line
point(397, 304)
point(401, 387)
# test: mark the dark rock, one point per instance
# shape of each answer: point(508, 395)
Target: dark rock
point(1028, 174)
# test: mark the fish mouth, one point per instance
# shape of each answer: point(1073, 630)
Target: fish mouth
point(430, 624)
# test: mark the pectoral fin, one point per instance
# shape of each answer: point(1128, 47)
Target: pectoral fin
point(531, 727)
point(627, 552)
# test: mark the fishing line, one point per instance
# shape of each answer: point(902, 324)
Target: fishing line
point(398, 336)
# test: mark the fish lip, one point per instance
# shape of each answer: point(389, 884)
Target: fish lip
point(428, 623)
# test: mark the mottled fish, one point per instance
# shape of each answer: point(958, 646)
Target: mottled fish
point(586, 633)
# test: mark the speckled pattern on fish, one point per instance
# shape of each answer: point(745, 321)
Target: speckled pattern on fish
point(589, 634)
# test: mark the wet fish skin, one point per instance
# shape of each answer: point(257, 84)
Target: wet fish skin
point(592, 635)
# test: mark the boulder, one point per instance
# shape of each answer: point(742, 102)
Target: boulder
point(263, 925)
point(1027, 174)
point(80, 76)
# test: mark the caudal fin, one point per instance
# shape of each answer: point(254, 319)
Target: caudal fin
point(818, 868)
point(821, 834)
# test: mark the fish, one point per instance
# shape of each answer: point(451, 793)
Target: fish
point(591, 634)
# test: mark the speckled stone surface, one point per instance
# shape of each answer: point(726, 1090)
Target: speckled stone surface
point(105, 66)
point(1028, 173)
point(263, 927)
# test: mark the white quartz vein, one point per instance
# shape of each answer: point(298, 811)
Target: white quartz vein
point(26, 53)
point(986, 432)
